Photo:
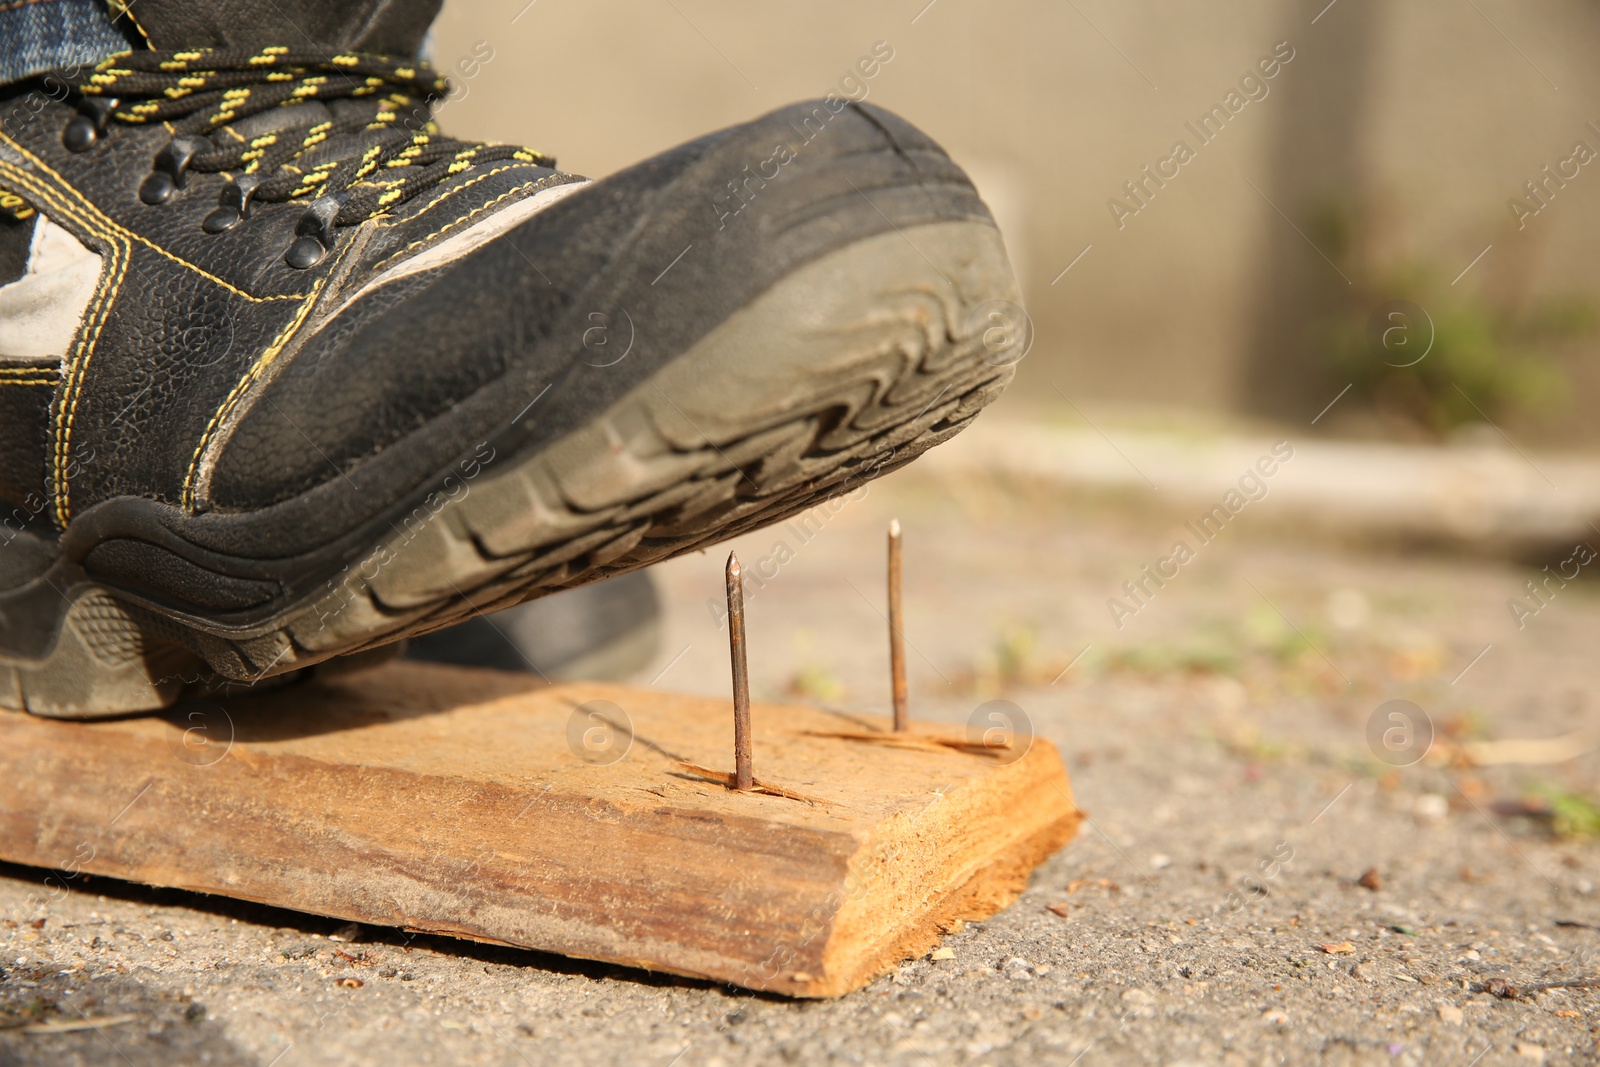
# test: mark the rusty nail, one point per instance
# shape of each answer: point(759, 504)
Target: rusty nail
point(743, 775)
point(897, 637)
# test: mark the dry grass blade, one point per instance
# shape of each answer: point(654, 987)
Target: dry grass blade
point(68, 1026)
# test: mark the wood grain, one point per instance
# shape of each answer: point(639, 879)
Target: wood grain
point(450, 801)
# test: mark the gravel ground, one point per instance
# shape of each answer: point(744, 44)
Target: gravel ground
point(1216, 908)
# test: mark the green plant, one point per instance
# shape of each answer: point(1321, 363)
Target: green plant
point(1487, 342)
point(1268, 631)
point(1014, 654)
point(818, 683)
point(1013, 662)
point(1573, 815)
point(1209, 653)
point(812, 680)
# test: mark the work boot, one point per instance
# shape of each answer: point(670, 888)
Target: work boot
point(286, 374)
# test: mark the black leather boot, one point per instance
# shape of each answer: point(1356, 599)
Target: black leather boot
point(287, 374)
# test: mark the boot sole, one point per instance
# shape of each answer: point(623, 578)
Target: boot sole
point(869, 356)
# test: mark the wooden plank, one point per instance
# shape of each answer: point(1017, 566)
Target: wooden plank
point(450, 801)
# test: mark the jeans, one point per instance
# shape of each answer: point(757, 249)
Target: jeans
point(41, 35)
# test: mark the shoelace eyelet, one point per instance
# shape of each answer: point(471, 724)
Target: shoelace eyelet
point(88, 126)
point(314, 231)
point(171, 167)
point(179, 90)
point(233, 203)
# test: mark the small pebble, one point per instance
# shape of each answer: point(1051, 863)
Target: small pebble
point(1431, 807)
point(1018, 969)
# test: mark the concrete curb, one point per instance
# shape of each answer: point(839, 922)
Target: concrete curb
point(1479, 495)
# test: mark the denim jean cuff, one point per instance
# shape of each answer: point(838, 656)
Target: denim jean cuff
point(42, 35)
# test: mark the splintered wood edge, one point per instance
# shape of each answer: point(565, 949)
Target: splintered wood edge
point(835, 908)
point(912, 878)
point(919, 874)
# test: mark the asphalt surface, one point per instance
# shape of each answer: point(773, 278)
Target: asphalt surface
point(1217, 907)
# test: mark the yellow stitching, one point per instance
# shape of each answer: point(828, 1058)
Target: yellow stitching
point(463, 187)
point(125, 233)
point(475, 211)
point(265, 360)
point(67, 209)
point(67, 400)
point(106, 291)
point(83, 351)
point(68, 415)
point(116, 239)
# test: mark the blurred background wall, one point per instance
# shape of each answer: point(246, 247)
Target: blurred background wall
point(1375, 165)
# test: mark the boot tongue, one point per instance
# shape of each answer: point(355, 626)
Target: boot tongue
point(389, 27)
